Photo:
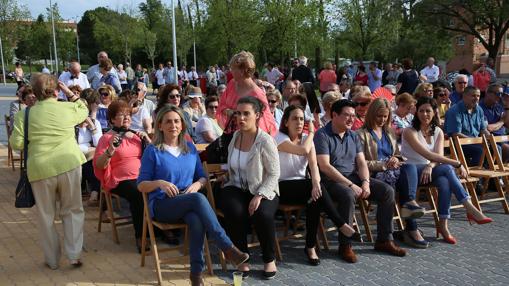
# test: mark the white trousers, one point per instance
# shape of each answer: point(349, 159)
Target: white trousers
point(66, 189)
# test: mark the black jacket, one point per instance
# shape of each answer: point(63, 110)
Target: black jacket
point(303, 74)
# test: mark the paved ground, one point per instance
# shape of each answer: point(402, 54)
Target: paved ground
point(480, 258)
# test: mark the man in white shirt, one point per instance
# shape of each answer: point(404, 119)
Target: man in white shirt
point(169, 74)
point(192, 76)
point(94, 75)
point(160, 76)
point(122, 76)
point(273, 74)
point(73, 77)
point(430, 71)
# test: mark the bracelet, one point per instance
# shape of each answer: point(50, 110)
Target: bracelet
point(365, 180)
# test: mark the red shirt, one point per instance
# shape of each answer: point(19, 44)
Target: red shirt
point(362, 78)
point(482, 80)
point(326, 77)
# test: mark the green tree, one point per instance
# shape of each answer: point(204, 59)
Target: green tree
point(486, 20)
point(11, 13)
point(35, 42)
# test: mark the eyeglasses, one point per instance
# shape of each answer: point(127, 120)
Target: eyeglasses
point(428, 90)
point(123, 115)
point(363, 103)
point(462, 82)
point(442, 94)
point(173, 96)
point(212, 106)
point(272, 101)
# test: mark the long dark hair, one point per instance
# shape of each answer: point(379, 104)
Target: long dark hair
point(314, 106)
point(286, 116)
point(416, 123)
point(163, 94)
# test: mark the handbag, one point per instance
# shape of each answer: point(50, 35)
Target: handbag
point(24, 195)
point(217, 151)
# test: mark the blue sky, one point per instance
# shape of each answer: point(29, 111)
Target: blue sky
point(69, 9)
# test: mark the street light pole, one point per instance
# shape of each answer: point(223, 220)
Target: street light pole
point(77, 40)
point(174, 40)
point(2, 55)
point(54, 37)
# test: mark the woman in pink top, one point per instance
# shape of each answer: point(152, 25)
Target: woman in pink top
point(482, 78)
point(326, 77)
point(117, 162)
point(242, 66)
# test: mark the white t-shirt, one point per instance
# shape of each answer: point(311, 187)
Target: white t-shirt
point(160, 77)
point(138, 117)
point(122, 77)
point(431, 73)
point(413, 157)
point(293, 167)
point(206, 124)
point(85, 137)
point(174, 150)
point(239, 164)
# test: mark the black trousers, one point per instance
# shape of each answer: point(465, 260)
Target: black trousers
point(87, 171)
point(234, 203)
point(298, 192)
point(381, 193)
point(128, 190)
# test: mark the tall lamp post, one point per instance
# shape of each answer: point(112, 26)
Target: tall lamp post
point(174, 40)
point(54, 37)
point(77, 39)
point(2, 56)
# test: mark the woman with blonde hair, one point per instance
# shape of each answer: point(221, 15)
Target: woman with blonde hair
point(403, 115)
point(385, 163)
point(173, 193)
point(242, 66)
point(106, 96)
point(361, 95)
point(327, 100)
point(423, 89)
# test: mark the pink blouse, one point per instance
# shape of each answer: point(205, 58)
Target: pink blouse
point(229, 101)
point(326, 77)
point(124, 164)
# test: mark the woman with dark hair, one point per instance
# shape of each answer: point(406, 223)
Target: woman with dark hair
point(19, 75)
point(313, 109)
point(423, 146)
point(170, 94)
point(207, 130)
point(441, 95)
point(251, 191)
point(362, 77)
point(296, 153)
point(117, 161)
point(409, 79)
point(173, 193)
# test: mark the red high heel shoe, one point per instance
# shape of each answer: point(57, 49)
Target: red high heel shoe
point(449, 239)
point(470, 218)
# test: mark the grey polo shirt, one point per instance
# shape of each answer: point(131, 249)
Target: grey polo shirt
point(342, 151)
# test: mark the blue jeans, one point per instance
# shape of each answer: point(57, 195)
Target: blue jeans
point(196, 211)
point(444, 178)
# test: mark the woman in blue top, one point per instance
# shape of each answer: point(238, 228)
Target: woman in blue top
point(172, 174)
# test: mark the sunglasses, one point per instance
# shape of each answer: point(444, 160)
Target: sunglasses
point(462, 82)
point(213, 106)
point(272, 101)
point(442, 94)
point(173, 96)
point(365, 103)
point(105, 94)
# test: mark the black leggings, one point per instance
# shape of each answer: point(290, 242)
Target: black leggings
point(234, 203)
point(128, 190)
point(87, 171)
point(298, 192)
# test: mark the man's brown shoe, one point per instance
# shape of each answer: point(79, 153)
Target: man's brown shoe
point(347, 254)
point(389, 247)
point(196, 279)
point(235, 256)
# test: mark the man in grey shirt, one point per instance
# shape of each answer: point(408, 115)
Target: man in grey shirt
point(345, 176)
point(94, 74)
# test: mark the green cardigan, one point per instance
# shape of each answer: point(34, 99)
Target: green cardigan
point(52, 148)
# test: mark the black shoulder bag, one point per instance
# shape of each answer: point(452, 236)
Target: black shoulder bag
point(217, 151)
point(24, 195)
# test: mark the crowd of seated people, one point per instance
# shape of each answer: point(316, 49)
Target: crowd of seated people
point(283, 150)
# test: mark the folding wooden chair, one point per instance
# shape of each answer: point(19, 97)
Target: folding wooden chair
point(11, 159)
point(107, 197)
point(480, 171)
point(201, 147)
point(148, 224)
point(212, 172)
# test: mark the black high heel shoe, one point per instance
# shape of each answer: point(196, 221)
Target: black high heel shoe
point(311, 261)
point(355, 236)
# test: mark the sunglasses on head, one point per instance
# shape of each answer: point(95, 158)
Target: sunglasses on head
point(173, 96)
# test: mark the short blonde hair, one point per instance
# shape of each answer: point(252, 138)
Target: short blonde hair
point(360, 91)
point(44, 85)
point(109, 89)
point(275, 93)
point(328, 65)
point(405, 98)
point(244, 61)
point(419, 90)
point(329, 98)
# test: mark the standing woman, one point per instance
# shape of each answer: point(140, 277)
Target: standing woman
point(251, 189)
point(326, 77)
point(54, 166)
point(173, 193)
point(296, 152)
point(242, 66)
point(423, 146)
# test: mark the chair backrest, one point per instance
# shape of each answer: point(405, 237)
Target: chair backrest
point(460, 142)
point(211, 170)
point(201, 147)
point(8, 125)
point(146, 212)
point(493, 140)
